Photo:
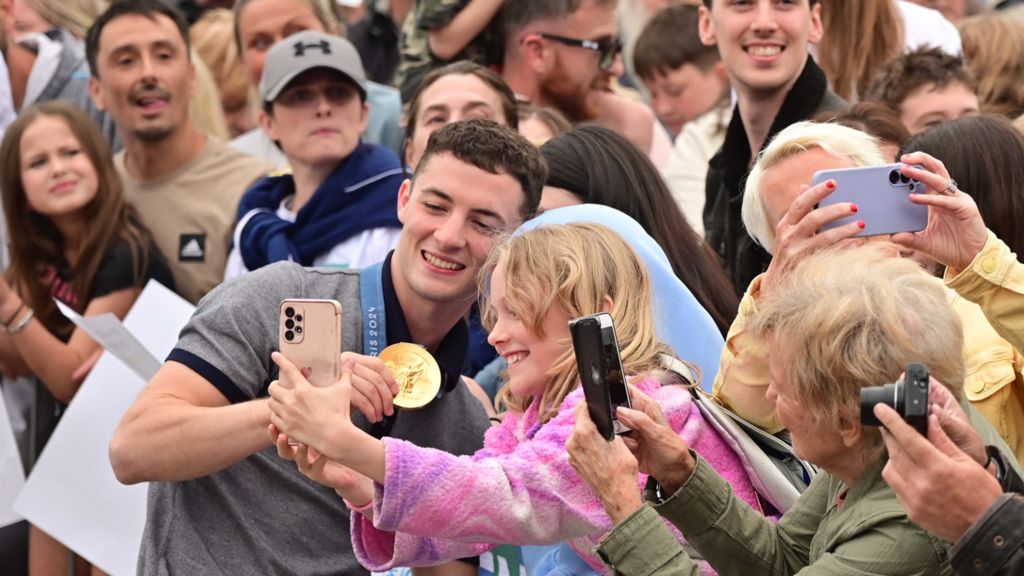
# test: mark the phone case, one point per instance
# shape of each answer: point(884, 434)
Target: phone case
point(881, 195)
point(309, 335)
point(600, 367)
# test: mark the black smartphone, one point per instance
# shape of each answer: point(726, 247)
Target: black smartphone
point(600, 367)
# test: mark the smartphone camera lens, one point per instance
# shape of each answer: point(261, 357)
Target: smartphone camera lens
point(298, 329)
point(289, 335)
point(289, 324)
point(289, 312)
point(298, 317)
point(904, 179)
point(894, 176)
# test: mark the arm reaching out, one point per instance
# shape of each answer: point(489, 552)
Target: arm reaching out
point(181, 427)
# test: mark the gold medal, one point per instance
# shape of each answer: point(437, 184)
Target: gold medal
point(417, 374)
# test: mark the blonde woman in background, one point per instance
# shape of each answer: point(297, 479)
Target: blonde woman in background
point(213, 40)
point(994, 51)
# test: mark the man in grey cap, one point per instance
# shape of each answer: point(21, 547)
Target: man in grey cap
point(337, 206)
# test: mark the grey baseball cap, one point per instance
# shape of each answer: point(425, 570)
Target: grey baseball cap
point(304, 51)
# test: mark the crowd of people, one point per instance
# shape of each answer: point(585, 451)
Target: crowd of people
point(469, 176)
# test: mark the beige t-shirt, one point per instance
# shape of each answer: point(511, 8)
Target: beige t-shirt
point(191, 212)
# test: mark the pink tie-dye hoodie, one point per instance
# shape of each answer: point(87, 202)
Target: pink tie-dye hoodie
point(518, 489)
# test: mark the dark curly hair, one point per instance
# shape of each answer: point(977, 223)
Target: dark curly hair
point(494, 148)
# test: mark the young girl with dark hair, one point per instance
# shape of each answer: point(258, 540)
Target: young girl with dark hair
point(74, 239)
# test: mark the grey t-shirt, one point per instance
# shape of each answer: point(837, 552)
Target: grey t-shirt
point(261, 516)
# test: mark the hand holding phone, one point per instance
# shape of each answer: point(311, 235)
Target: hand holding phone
point(309, 335)
point(882, 195)
point(600, 368)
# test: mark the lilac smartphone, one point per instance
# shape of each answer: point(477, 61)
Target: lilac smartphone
point(882, 195)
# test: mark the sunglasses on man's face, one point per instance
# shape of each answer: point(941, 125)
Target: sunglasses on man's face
point(608, 48)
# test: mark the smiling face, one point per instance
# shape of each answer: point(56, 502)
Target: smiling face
point(144, 77)
point(530, 355)
point(451, 215)
point(318, 118)
point(57, 174)
point(263, 23)
point(451, 98)
point(763, 43)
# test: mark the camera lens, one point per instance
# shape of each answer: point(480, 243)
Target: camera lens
point(903, 178)
point(289, 311)
point(289, 335)
point(894, 176)
point(289, 324)
point(298, 329)
point(298, 317)
point(886, 394)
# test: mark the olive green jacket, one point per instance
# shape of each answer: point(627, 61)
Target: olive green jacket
point(869, 533)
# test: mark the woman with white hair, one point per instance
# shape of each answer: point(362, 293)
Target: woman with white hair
point(779, 211)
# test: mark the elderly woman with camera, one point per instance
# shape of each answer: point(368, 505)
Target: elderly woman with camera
point(838, 321)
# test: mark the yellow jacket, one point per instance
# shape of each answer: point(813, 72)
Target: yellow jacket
point(989, 298)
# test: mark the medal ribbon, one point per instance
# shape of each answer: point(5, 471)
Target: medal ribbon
point(375, 337)
point(371, 296)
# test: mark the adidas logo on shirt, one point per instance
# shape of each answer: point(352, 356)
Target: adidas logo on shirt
point(192, 248)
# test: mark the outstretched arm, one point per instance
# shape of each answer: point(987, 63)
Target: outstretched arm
point(181, 427)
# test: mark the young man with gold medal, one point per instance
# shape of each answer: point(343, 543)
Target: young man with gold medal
point(220, 497)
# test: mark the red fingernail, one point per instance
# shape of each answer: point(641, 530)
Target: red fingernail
point(861, 224)
point(831, 184)
point(853, 208)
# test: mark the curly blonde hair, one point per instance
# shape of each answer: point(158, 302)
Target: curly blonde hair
point(574, 267)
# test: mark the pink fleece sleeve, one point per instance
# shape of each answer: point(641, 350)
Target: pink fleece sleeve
point(434, 506)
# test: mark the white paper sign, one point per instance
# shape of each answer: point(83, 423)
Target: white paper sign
point(72, 493)
point(116, 339)
point(12, 475)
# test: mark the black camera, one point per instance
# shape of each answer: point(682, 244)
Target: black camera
point(908, 397)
